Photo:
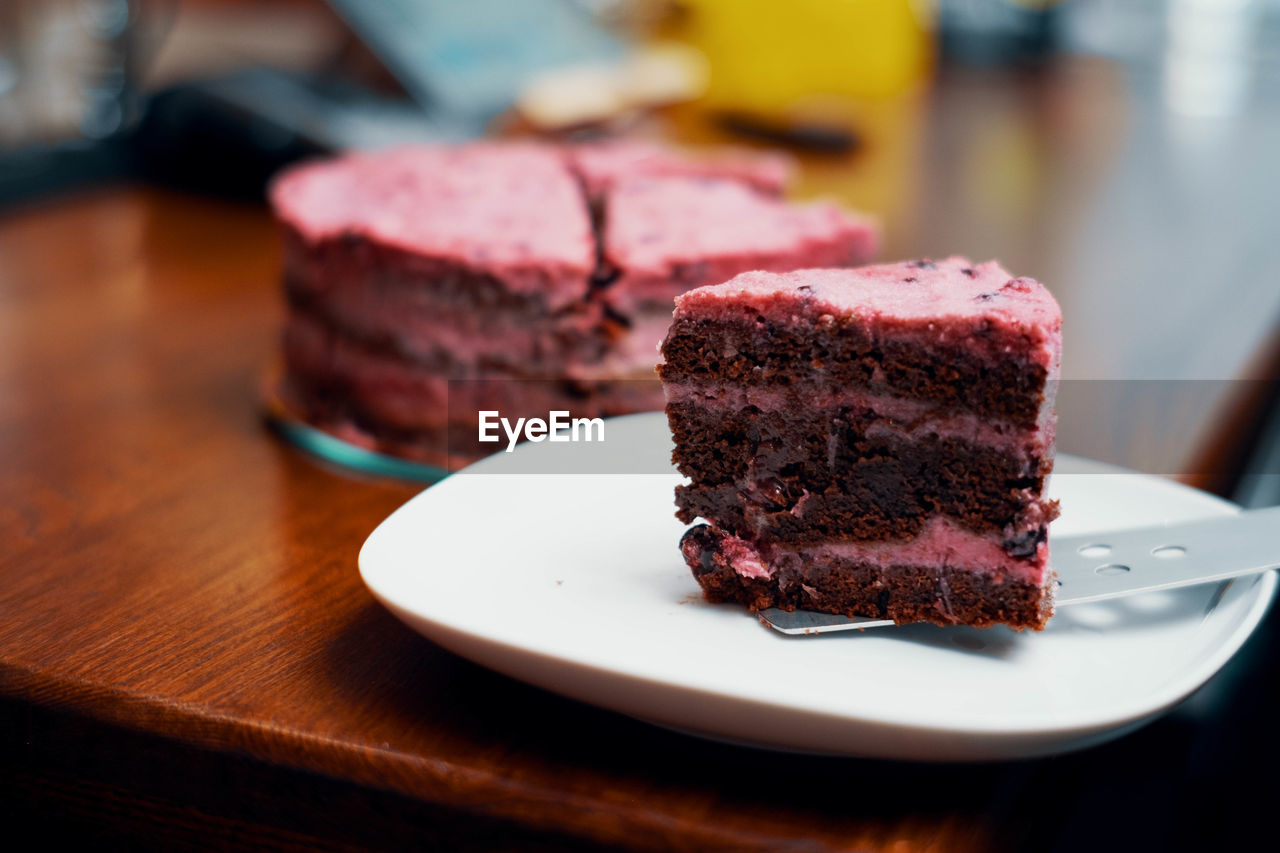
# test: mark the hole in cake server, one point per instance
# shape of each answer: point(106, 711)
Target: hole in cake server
point(1094, 550)
point(1112, 569)
point(1169, 552)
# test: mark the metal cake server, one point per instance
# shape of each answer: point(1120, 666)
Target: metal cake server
point(1098, 566)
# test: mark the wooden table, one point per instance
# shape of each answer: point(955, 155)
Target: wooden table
point(188, 657)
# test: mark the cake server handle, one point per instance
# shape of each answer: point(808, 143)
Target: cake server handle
point(1099, 566)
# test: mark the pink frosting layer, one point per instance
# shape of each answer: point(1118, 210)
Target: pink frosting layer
point(600, 165)
point(941, 544)
point(913, 418)
point(953, 301)
point(670, 234)
point(511, 210)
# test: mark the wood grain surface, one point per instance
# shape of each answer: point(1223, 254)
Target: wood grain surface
point(173, 571)
point(188, 657)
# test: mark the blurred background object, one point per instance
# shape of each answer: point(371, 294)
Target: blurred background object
point(215, 95)
point(768, 56)
point(585, 96)
point(472, 59)
point(999, 32)
point(66, 69)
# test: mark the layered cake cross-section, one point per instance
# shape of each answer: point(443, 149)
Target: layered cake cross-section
point(870, 442)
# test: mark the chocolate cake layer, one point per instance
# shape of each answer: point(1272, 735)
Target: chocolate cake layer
point(334, 265)
point(841, 352)
point(801, 476)
point(857, 517)
point(824, 446)
point(942, 595)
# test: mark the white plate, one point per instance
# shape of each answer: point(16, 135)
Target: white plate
point(574, 583)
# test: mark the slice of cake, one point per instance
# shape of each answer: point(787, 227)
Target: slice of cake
point(870, 442)
point(667, 235)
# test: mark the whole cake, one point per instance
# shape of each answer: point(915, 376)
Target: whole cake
point(869, 442)
point(426, 283)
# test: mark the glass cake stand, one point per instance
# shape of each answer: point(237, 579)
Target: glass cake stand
point(290, 426)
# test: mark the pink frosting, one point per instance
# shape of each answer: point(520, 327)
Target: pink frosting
point(744, 558)
point(980, 306)
point(913, 418)
point(941, 544)
point(512, 210)
point(670, 234)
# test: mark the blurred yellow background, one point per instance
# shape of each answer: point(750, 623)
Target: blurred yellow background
point(766, 56)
